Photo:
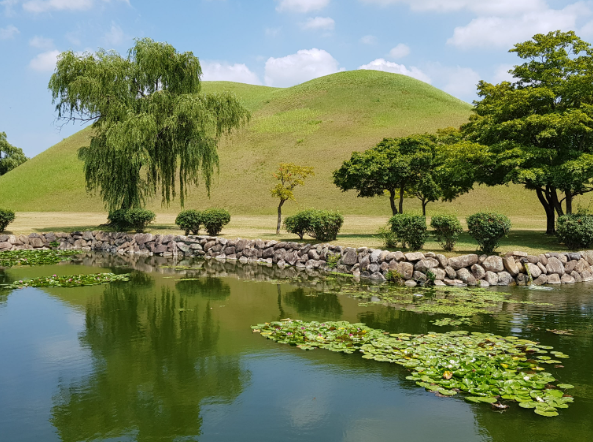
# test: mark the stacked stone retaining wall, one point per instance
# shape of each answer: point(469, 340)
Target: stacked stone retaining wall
point(414, 268)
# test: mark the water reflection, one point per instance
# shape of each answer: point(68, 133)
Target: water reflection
point(310, 302)
point(208, 288)
point(156, 361)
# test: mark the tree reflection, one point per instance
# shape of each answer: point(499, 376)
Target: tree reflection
point(209, 288)
point(326, 305)
point(156, 361)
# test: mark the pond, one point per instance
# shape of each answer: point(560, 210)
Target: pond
point(171, 356)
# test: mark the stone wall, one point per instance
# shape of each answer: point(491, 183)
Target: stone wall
point(513, 268)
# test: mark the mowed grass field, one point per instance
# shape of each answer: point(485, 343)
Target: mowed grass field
point(528, 233)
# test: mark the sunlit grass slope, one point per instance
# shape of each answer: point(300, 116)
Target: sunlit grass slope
point(318, 123)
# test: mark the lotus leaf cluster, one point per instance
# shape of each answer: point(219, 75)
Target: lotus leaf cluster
point(452, 322)
point(488, 368)
point(34, 257)
point(69, 281)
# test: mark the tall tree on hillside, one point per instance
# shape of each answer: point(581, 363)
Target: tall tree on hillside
point(10, 156)
point(402, 167)
point(539, 127)
point(289, 176)
point(152, 127)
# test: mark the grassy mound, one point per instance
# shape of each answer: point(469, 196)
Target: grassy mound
point(318, 123)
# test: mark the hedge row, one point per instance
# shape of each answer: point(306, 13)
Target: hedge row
point(323, 225)
point(213, 220)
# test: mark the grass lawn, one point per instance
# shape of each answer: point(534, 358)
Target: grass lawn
point(528, 234)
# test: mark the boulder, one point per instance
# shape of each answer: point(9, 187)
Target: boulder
point(439, 274)
point(555, 266)
point(375, 256)
point(414, 256)
point(493, 264)
point(399, 256)
point(377, 276)
point(582, 265)
point(542, 267)
point(349, 257)
point(460, 262)
point(478, 271)
point(570, 266)
point(443, 261)
point(491, 278)
point(425, 264)
point(483, 284)
point(451, 273)
point(5, 246)
point(510, 265)
point(505, 278)
point(465, 276)
point(587, 275)
point(543, 259)
point(567, 279)
point(420, 277)
point(588, 256)
point(534, 270)
point(365, 261)
point(554, 278)
point(405, 269)
point(411, 283)
point(541, 280)
point(576, 276)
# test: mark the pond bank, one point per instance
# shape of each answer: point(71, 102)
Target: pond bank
point(416, 267)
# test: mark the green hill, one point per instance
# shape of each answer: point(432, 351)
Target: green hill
point(318, 123)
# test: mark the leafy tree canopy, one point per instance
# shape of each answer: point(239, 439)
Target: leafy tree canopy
point(152, 126)
point(417, 165)
point(10, 156)
point(539, 127)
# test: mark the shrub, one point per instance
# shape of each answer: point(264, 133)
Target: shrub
point(388, 237)
point(410, 230)
point(446, 230)
point(487, 228)
point(214, 220)
point(576, 230)
point(324, 225)
point(6, 217)
point(190, 221)
point(299, 223)
point(131, 219)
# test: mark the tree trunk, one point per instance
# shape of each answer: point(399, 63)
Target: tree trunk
point(424, 204)
point(401, 199)
point(279, 217)
point(392, 202)
point(569, 198)
point(553, 198)
point(550, 213)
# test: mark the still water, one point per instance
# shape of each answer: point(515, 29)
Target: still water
point(166, 359)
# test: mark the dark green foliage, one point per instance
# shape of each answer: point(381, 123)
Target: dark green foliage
point(447, 229)
point(6, 217)
point(10, 156)
point(487, 228)
point(214, 220)
point(35, 257)
point(152, 127)
point(410, 230)
point(388, 237)
point(299, 223)
point(132, 219)
point(576, 231)
point(189, 221)
point(323, 225)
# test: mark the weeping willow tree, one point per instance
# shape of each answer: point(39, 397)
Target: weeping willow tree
point(152, 127)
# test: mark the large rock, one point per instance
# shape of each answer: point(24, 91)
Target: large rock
point(5, 246)
point(349, 257)
point(577, 276)
point(465, 276)
point(425, 264)
point(442, 260)
point(451, 273)
point(567, 279)
point(406, 269)
point(365, 261)
point(554, 278)
point(493, 264)
point(582, 265)
point(543, 259)
point(478, 271)
point(491, 278)
point(505, 278)
point(35, 242)
point(588, 256)
point(414, 256)
point(534, 270)
point(460, 262)
point(439, 274)
point(570, 266)
point(541, 280)
point(241, 245)
point(555, 266)
point(542, 267)
point(510, 265)
point(587, 275)
point(420, 277)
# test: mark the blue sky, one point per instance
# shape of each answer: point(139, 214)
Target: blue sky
point(451, 44)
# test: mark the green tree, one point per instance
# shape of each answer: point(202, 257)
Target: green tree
point(10, 156)
point(289, 176)
point(538, 129)
point(152, 127)
point(404, 167)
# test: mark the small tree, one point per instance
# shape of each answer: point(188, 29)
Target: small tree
point(289, 176)
point(10, 156)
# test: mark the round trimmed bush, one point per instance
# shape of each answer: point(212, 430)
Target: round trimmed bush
point(575, 231)
point(488, 228)
point(300, 223)
point(214, 220)
point(189, 221)
point(6, 217)
point(131, 219)
point(410, 230)
point(324, 225)
point(447, 229)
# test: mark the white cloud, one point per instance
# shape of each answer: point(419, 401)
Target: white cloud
point(272, 32)
point(9, 6)
point(504, 32)
point(297, 68)
point(56, 5)
point(400, 51)
point(497, 7)
point(301, 5)
point(115, 36)
point(319, 23)
point(45, 62)
point(381, 64)
point(502, 73)
point(240, 73)
point(41, 42)
point(8, 32)
point(368, 40)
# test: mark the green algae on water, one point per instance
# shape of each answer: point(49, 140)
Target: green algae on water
point(488, 368)
point(68, 281)
point(35, 257)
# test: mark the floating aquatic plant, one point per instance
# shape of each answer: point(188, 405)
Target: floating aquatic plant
point(68, 281)
point(451, 321)
point(34, 257)
point(489, 368)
